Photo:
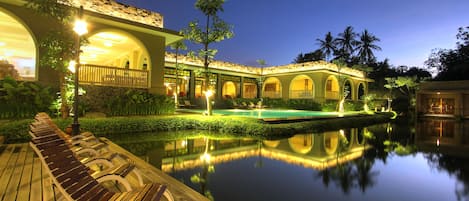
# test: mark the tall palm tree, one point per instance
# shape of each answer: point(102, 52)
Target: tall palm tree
point(327, 46)
point(346, 43)
point(366, 46)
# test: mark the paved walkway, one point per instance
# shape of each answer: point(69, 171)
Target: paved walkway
point(22, 176)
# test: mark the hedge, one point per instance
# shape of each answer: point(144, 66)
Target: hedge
point(17, 131)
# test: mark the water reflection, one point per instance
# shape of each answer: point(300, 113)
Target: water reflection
point(348, 160)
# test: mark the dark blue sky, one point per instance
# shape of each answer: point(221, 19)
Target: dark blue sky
point(278, 30)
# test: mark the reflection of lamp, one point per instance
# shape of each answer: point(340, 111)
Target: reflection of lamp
point(80, 29)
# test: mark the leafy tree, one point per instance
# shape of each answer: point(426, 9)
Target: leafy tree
point(215, 30)
point(452, 64)
point(58, 46)
point(327, 46)
point(312, 56)
point(179, 45)
point(346, 44)
point(365, 47)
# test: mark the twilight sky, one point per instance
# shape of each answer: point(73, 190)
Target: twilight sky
point(278, 30)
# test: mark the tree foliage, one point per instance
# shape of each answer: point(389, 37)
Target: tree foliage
point(452, 64)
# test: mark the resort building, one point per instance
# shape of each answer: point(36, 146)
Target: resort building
point(126, 48)
point(443, 99)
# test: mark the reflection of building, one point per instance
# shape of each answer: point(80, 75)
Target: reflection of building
point(317, 151)
point(127, 49)
point(444, 99)
point(443, 135)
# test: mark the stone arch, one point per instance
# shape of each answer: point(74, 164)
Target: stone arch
point(18, 48)
point(348, 89)
point(331, 142)
point(229, 90)
point(332, 88)
point(301, 144)
point(271, 143)
point(302, 86)
point(360, 91)
point(113, 47)
point(272, 88)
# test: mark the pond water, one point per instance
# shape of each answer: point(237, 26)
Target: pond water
point(393, 161)
point(274, 113)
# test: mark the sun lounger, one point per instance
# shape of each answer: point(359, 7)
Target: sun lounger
point(74, 181)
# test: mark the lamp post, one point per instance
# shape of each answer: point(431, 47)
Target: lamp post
point(208, 94)
point(80, 29)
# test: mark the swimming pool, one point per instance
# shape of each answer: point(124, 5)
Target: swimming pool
point(277, 114)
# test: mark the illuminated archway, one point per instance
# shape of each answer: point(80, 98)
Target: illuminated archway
point(331, 142)
point(271, 143)
point(332, 88)
point(250, 90)
point(115, 48)
point(301, 143)
point(348, 90)
point(302, 86)
point(361, 91)
point(17, 49)
point(229, 90)
point(272, 88)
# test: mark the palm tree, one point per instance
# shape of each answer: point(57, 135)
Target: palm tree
point(346, 43)
point(366, 46)
point(327, 46)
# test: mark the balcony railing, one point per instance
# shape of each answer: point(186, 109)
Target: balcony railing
point(113, 76)
point(332, 95)
point(271, 94)
point(301, 94)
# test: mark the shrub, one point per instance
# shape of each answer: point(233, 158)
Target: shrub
point(23, 99)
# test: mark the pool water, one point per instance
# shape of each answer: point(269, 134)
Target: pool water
point(379, 162)
point(276, 113)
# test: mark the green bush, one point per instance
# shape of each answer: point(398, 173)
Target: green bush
point(23, 99)
point(303, 104)
point(115, 101)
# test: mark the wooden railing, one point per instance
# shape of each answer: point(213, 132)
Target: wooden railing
point(301, 94)
point(332, 95)
point(271, 94)
point(113, 76)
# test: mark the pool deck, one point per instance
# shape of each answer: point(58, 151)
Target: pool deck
point(23, 177)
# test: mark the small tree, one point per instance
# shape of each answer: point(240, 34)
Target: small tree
point(179, 45)
point(261, 79)
point(215, 30)
point(58, 46)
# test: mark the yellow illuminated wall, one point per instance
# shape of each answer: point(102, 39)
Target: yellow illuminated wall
point(17, 49)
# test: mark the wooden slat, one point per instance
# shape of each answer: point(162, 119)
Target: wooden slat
point(25, 183)
point(13, 184)
point(36, 179)
point(7, 173)
point(4, 157)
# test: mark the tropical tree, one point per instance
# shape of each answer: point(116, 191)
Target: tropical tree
point(261, 79)
point(346, 44)
point(452, 64)
point(215, 30)
point(365, 47)
point(57, 46)
point(177, 46)
point(327, 46)
point(312, 56)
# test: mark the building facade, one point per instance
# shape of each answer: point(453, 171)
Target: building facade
point(126, 48)
point(443, 99)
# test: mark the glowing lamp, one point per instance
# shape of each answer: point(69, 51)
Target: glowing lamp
point(80, 27)
point(72, 66)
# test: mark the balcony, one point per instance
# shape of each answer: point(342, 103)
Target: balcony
point(112, 76)
point(334, 95)
point(271, 94)
point(301, 94)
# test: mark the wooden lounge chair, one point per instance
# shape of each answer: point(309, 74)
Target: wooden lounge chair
point(74, 181)
point(188, 104)
point(45, 129)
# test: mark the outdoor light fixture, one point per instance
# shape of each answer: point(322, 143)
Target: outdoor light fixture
point(80, 29)
point(71, 66)
point(208, 94)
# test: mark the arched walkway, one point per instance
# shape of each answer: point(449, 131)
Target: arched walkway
point(117, 49)
point(361, 91)
point(302, 86)
point(272, 88)
point(17, 49)
point(332, 88)
point(229, 90)
point(348, 90)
